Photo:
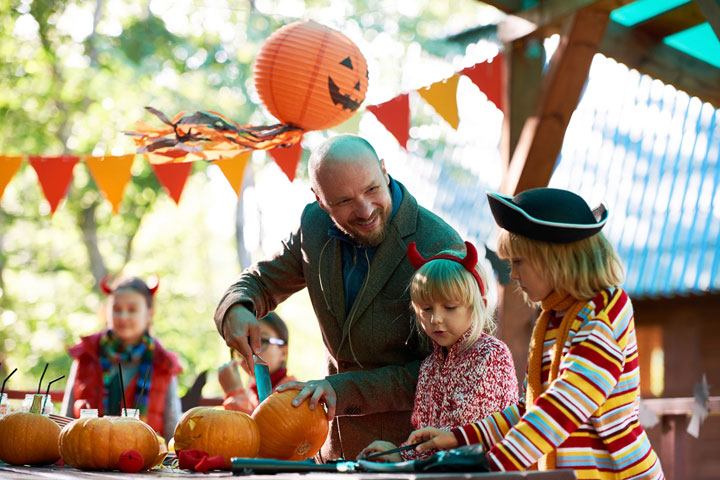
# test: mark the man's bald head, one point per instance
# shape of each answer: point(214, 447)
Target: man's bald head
point(338, 151)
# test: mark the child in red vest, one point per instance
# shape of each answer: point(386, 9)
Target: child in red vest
point(580, 409)
point(470, 374)
point(93, 381)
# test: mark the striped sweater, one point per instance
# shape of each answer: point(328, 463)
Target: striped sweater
point(589, 414)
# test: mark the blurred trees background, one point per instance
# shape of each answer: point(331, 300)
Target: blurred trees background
point(75, 74)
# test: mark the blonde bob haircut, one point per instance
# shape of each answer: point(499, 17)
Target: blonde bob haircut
point(580, 269)
point(443, 280)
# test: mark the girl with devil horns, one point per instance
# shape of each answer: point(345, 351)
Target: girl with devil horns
point(470, 374)
point(149, 371)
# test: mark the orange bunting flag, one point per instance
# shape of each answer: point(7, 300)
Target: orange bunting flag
point(287, 158)
point(488, 76)
point(172, 176)
point(443, 98)
point(55, 175)
point(111, 174)
point(395, 116)
point(8, 166)
point(234, 170)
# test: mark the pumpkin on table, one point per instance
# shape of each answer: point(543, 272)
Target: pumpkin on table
point(287, 432)
point(28, 439)
point(97, 443)
point(217, 432)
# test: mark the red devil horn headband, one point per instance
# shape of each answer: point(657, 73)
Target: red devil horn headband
point(153, 283)
point(105, 286)
point(469, 261)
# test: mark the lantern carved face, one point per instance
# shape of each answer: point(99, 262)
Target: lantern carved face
point(310, 76)
point(217, 432)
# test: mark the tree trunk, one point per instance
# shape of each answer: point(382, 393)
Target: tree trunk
point(88, 226)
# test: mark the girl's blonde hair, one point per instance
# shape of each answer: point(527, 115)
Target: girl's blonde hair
point(443, 280)
point(580, 269)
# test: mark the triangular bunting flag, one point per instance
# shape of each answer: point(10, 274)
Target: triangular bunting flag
point(111, 174)
point(55, 175)
point(173, 176)
point(443, 98)
point(234, 169)
point(488, 76)
point(287, 158)
point(8, 166)
point(395, 116)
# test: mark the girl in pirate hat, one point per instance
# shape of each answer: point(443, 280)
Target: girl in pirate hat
point(580, 408)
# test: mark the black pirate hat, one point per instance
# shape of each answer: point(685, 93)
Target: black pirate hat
point(547, 214)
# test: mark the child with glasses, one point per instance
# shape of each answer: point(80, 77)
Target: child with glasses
point(274, 351)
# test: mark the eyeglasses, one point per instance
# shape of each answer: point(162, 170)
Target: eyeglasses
point(265, 342)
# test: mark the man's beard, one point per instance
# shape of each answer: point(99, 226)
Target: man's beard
point(370, 239)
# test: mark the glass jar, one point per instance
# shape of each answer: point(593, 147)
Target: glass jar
point(4, 408)
point(131, 412)
point(44, 402)
point(88, 412)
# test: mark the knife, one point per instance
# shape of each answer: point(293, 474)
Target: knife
point(393, 450)
point(262, 378)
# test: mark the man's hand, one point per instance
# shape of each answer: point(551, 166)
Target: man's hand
point(315, 390)
point(239, 324)
point(380, 446)
point(432, 438)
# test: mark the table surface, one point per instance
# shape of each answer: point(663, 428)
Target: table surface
point(66, 473)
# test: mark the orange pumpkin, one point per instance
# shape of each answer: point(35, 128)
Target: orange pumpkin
point(92, 443)
point(28, 439)
point(310, 76)
point(217, 432)
point(287, 432)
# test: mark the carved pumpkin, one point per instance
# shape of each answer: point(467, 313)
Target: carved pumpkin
point(28, 439)
point(217, 432)
point(96, 443)
point(287, 432)
point(310, 76)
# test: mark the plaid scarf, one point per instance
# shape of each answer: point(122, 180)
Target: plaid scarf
point(113, 352)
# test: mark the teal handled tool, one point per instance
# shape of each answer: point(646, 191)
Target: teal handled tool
point(262, 378)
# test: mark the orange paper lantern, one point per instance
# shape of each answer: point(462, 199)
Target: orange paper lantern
point(310, 76)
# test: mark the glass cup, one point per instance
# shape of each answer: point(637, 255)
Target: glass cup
point(4, 408)
point(43, 402)
point(88, 412)
point(131, 412)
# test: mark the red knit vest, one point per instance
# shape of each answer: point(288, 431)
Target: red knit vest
point(88, 388)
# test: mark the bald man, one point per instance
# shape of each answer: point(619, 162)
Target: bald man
point(350, 253)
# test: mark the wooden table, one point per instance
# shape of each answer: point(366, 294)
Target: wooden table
point(66, 473)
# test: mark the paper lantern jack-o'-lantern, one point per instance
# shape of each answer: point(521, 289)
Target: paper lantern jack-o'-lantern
point(310, 76)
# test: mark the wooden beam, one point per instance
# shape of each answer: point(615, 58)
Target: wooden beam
point(542, 135)
point(647, 54)
point(711, 11)
point(672, 21)
point(524, 63)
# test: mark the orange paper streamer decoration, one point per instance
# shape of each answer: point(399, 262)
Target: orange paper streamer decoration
point(310, 77)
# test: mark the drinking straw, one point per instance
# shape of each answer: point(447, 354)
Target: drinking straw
point(142, 390)
point(41, 377)
point(47, 393)
point(122, 390)
point(6, 379)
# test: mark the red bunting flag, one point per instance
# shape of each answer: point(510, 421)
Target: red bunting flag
point(287, 158)
point(395, 116)
point(488, 76)
point(54, 175)
point(172, 176)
